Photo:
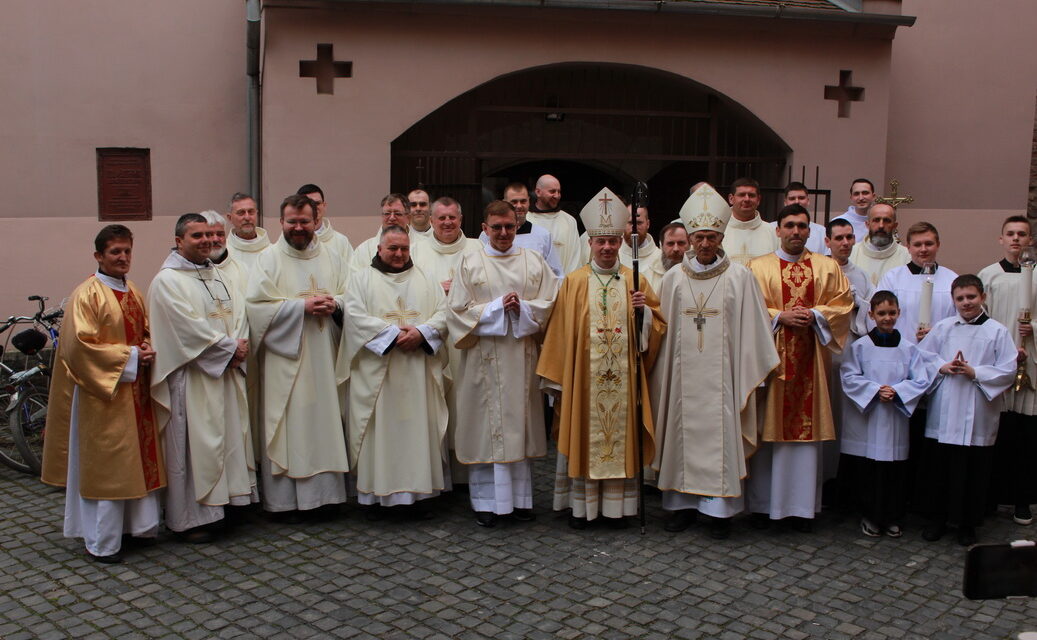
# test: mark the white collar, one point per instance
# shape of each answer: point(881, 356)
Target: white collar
point(118, 284)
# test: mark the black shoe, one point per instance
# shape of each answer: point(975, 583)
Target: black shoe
point(616, 523)
point(286, 517)
point(934, 531)
point(197, 535)
point(523, 515)
point(374, 512)
point(486, 519)
point(802, 525)
point(720, 528)
point(113, 558)
point(681, 520)
point(323, 513)
point(416, 512)
point(577, 523)
point(130, 541)
point(1023, 515)
point(760, 521)
point(966, 536)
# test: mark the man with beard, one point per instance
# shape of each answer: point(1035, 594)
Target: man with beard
point(294, 297)
point(420, 213)
point(674, 245)
point(333, 240)
point(393, 358)
point(528, 235)
point(559, 224)
point(246, 238)
point(879, 252)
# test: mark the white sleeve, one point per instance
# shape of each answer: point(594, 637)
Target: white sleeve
point(432, 337)
point(525, 324)
point(214, 360)
point(383, 339)
point(284, 337)
point(824, 332)
point(493, 321)
point(129, 372)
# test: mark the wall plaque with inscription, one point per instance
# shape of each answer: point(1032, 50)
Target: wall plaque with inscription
point(124, 184)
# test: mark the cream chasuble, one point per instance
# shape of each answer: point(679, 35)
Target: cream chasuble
point(588, 352)
point(500, 412)
point(564, 236)
point(302, 405)
point(876, 262)
point(397, 402)
point(798, 405)
point(717, 350)
point(196, 320)
point(744, 241)
point(246, 252)
point(335, 242)
point(232, 274)
point(1003, 283)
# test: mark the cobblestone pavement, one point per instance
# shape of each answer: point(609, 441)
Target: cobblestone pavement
point(448, 578)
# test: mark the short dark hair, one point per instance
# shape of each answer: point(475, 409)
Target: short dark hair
point(745, 182)
point(110, 233)
point(671, 227)
point(792, 210)
point(181, 223)
point(397, 197)
point(967, 280)
point(299, 201)
point(307, 189)
point(865, 180)
point(515, 186)
point(446, 201)
point(498, 208)
point(836, 222)
point(1011, 219)
point(921, 227)
point(393, 228)
point(883, 295)
point(795, 186)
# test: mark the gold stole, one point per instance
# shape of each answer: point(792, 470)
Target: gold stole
point(609, 377)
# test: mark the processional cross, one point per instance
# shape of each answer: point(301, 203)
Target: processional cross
point(700, 314)
point(314, 290)
point(894, 200)
point(401, 313)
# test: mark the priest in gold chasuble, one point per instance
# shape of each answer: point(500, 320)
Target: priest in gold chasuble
point(810, 303)
point(102, 439)
point(588, 356)
point(717, 350)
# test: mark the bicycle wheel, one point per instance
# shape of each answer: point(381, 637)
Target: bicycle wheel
point(27, 424)
point(9, 454)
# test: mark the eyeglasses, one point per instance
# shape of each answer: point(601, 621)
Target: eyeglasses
point(216, 281)
point(394, 214)
point(502, 227)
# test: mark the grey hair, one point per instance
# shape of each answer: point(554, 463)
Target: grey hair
point(212, 218)
point(393, 228)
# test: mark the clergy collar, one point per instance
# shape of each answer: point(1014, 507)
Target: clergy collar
point(880, 339)
point(525, 227)
point(258, 243)
point(324, 231)
point(915, 269)
point(118, 284)
point(603, 271)
point(176, 261)
point(447, 248)
point(788, 257)
point(490, 251)
point(1009, 267)
point(377, 263)
point(735, 223)
point(695, 269)
point(875, 252)
point(980, 319)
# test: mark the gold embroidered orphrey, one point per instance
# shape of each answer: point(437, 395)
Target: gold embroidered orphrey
point(314, 290)
point(798, 281)
point(609, 381)
point(401, 313)
point(700, 313)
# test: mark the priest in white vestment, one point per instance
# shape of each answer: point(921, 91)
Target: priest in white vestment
point(862, 197)
point(333, 241)
point(717, 350)
point(294, 302)
point(198, 385)
point(561, 225)
point(102, 441)
point(420, 212)
point(529, 235)
point(439, 257)
point(879, 251)
point(246, 240)
point(497, 310)
point(395, 212)
point(747, 235)
point(393, 357)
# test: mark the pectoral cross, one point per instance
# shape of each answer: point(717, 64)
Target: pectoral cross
point(701, 313)
point(314, 290)
point(606, 217)
point(894, 200)
point(401, 314)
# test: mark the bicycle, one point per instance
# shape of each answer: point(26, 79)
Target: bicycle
point(22, 398)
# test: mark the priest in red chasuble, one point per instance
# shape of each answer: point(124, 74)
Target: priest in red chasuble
point(102, 440)
point(810, 303)
point(588, 357)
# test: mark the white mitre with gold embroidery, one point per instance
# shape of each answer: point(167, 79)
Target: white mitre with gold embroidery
point(705, 210)
point(605, 215)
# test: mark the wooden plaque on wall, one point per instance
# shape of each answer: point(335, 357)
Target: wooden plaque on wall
point(123, 184)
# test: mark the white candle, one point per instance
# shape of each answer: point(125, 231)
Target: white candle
point(925, 306)
point(1027, 287)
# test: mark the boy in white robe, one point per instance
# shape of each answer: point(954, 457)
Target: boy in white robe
point(883, 378)
point(961, 426)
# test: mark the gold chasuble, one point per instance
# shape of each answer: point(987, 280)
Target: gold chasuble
point(798, 406)
point(589, 352)
point(120, 455)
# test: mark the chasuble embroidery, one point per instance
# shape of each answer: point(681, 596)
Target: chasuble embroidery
point(133, 321)
point(797, 290)
point(609, 377)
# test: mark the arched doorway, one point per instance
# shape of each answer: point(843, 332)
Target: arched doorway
point(591, 125)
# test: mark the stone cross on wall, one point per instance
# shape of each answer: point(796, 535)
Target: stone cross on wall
point(325, 69)
point(844, 93)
